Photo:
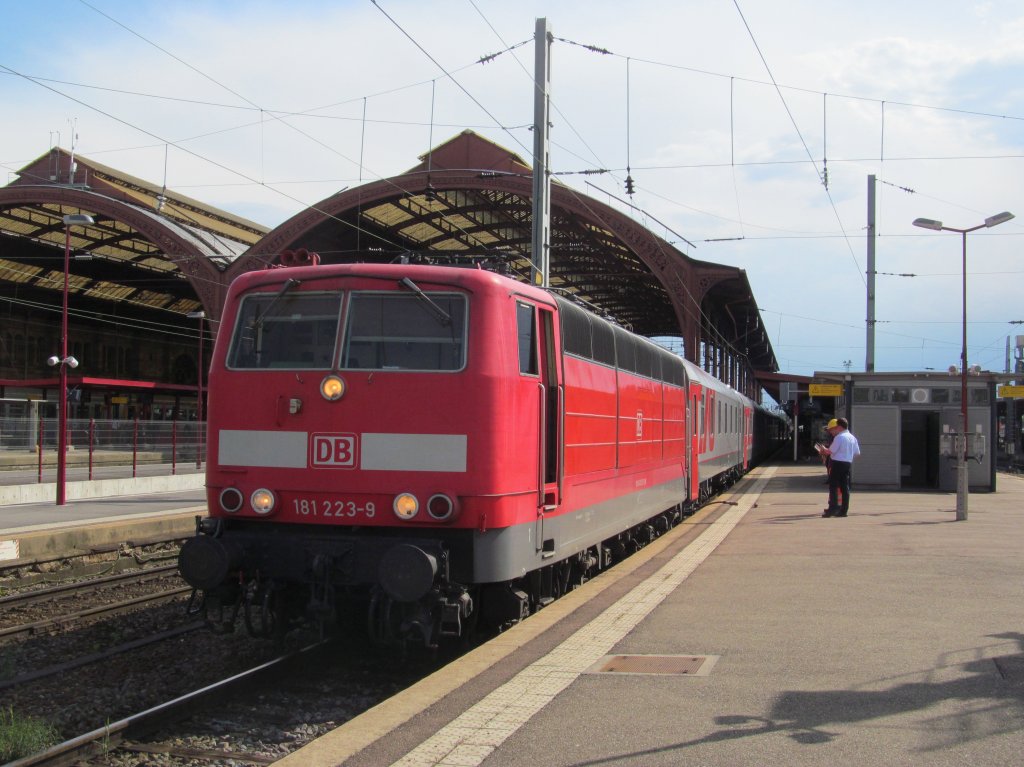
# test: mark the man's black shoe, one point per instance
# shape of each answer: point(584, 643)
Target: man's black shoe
point(840, 514)
point(828, 513)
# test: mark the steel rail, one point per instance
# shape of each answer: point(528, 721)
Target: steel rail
point(107, 738)
point(85, 660)
point(65, 589)
point(113, 609)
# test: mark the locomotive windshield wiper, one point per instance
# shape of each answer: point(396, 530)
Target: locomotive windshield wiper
point(288, 285)
point(442, 315)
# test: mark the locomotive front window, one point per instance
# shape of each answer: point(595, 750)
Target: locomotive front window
point(296, 331)
point(396, 331)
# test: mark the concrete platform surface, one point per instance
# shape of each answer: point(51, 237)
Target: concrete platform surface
point(892, 637)
point(32, 531)
point(108, 481)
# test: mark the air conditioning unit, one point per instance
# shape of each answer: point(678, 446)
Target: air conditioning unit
point(919, 396)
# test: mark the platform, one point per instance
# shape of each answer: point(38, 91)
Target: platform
point(894, 636)
point(109, 478)
point(43, 530)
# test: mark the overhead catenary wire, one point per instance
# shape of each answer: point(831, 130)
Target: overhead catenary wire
point(604, 51)
point(450, 76)
point(148, 326)
point(224, 167)
point(797, 88)
point(629, 164)
point(554, 104)
point(695, 310)
point(733, 163)
point(796, 128)
point(629, 175)
point(197, 155)
point(256, 106)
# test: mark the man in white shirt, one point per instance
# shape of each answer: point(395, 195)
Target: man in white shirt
point(843, 449)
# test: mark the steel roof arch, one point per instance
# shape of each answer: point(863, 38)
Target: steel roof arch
point(679, 275)
point(191, 255)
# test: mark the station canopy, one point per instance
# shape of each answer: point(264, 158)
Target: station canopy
point(147, 247)
point(468, 201)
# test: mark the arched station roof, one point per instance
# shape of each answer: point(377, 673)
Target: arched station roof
point(148, 248)
point(470, 200)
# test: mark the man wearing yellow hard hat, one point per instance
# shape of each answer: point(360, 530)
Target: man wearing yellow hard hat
point(843, 449)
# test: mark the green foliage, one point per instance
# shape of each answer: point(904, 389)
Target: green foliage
point(23, 736)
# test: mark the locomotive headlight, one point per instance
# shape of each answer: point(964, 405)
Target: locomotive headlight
point(332, 388)
point(262, 501)
point(231, 499)
point(440, 507)
point(405, 505)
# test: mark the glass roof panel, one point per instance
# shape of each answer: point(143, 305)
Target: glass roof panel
point(419, 232)
point(152, 298)
point(449, 244)
point(387, 215)
point(11, 271)
point(55, 280)
point(108, 290)
point(421, 203)
point(184, 305)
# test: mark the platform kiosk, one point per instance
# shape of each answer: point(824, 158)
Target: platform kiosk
point(908, 424)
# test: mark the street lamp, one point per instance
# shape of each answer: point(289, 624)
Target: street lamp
point(65, 360)
point(200, 315)
point(961, 461)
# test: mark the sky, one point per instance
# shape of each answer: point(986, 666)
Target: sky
point(750, 128)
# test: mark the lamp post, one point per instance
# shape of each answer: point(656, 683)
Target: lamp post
point(65, 360)
point(961, 453)
point(201, 430)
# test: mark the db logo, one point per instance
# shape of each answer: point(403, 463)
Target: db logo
point(335, 451)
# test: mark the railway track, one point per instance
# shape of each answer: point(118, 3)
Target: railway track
point(56, 620)
point(114, 608)
point(64, 590)
point(274, 719)
point(98, 657)
point(117, 736)
point(254, 717)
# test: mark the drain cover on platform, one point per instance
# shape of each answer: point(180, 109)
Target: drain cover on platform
point(680, 665)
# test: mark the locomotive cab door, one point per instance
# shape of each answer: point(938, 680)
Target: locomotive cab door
point(696, 427)
point(538, 337)
point(551, 418)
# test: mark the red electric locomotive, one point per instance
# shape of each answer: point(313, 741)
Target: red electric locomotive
point(439, 444)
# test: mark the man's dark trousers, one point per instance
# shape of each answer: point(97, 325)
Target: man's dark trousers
point(839, 484)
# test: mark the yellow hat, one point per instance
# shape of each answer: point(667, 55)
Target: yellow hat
point(832, 424)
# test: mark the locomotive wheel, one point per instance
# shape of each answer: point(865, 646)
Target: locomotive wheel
point(471, 625)
point(264, 616)
point(380, 620)
point(705, 493)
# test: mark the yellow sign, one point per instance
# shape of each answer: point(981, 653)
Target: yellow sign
point(118, 400)
point(826, 390)
point(1011, 392)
